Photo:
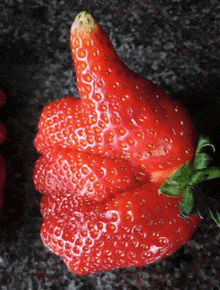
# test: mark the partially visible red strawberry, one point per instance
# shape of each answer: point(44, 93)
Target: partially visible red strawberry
point(3, 135)
point(107, 160)
point(2, 98)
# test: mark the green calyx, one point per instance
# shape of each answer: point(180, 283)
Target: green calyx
point(187, 178)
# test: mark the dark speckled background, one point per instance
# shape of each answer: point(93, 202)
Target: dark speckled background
point(176, 44)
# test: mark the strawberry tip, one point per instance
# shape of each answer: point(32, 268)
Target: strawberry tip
point(83, 21)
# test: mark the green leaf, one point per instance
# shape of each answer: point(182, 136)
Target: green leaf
point(201, 161)
point(186, 203)
point(203, 142)
point(174, 183)
point(170, 189)
point(197, 177)
point(215, 217)
point(212, 173)
point(181, 175)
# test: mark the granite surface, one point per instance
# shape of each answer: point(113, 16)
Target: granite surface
point(174, 43)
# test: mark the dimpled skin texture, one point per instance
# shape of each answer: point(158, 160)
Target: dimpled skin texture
point(103, 159)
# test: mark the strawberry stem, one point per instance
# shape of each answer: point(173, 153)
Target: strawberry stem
point(186, 179)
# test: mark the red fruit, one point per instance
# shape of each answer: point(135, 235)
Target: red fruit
point(104, 158)
point(3, 135)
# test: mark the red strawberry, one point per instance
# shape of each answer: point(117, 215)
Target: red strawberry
point(3, 134)
point(106, 159)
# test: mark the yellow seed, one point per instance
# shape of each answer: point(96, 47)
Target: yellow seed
point(139, 135)
point(117, 120)
point(83, 65)
point(98, 96)
point(82, 53)
point(77, 42)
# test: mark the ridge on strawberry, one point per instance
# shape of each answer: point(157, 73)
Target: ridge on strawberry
point(107, 160)
point(91, 177)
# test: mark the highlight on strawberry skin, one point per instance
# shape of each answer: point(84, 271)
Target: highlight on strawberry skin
point(117, 166)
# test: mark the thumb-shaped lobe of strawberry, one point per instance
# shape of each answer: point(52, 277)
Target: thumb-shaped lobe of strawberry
point(137, 119)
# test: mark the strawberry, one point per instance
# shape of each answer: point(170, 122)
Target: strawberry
point(118, 165)
point(3, 134)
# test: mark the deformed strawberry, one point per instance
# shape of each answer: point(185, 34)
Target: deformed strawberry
point(117, 166)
